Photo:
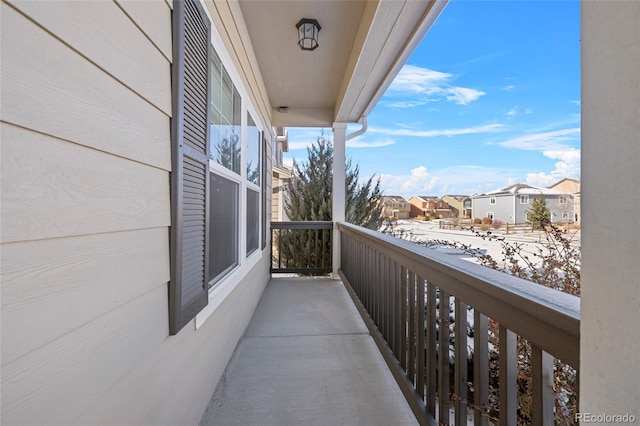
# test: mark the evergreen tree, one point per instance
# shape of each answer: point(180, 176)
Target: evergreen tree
point(310, 190)
point(228, 152)
point(539, 214)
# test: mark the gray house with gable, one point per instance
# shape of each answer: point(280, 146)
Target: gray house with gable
point(511, 203)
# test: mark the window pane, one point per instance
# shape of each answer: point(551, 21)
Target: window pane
point(226, 105)
point(253, 151)
point(253, 217)
point(225, 128)
point(223, 227)
point(216, 87)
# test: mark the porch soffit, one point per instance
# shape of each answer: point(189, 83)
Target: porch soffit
point(362, 46)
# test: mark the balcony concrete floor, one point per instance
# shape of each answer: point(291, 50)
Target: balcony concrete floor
point(307, 359)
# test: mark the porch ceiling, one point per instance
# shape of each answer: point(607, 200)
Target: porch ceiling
point(362, 46)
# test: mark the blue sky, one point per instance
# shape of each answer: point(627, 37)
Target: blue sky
point(490, 97)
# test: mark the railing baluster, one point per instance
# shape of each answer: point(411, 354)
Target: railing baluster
point(402, 318)
point(378, 287)
point(393, 276)
point(411, 362)
point(443, 358)
point(480, 367)
point(431, 354)
point(420, 283)
point(542, 387)
point(461, 366)
point(385, 300)
point(507, 376)
point(315, 249)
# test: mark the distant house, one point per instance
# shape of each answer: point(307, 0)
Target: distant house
point(426, 205)
point(395, 206)
point(510, 204)
point(460, 205)
point(571, 186)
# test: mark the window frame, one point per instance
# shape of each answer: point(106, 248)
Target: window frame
point(524, 199)
point(492, 200)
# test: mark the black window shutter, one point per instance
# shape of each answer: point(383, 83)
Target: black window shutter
point(188, 289)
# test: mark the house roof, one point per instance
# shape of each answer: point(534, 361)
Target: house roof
point(456, 197)
point(521, 188)
point(395, 198)
point(576, 181)
point(426, 198)
point(362, 46)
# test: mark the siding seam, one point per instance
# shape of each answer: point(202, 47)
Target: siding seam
point(54, 36)
point(78, 327)
point(85, 146)
point(142, 30)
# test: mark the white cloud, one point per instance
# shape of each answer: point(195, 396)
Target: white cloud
point(546, 141)
point(418, 182)
point(432, 85)
point(464, 179)
point(528, 111)
point(406, 104)
point(357, 143)
point(463, 95)
point(509, 87)
point(568, 166)
point(513, 111)
point(488, 128)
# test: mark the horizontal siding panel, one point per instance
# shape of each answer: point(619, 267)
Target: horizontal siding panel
point(51, 287)
point(57, 382)
point(158, 390)
point(49, 88)
point(154, 18)
point(52, 188)
point(102, 32)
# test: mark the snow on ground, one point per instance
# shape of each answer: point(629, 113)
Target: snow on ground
point(418, 230)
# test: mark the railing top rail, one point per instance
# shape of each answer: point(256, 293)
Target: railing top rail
point(314, 224)
point(546, 317)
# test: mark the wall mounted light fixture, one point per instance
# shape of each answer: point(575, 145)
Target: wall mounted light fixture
point(308, 33)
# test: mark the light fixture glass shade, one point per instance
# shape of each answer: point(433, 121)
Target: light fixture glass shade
point(308, 33)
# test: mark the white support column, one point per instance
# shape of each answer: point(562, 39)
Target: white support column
point(339, 188)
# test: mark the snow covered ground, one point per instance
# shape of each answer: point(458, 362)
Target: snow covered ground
point(418, 230)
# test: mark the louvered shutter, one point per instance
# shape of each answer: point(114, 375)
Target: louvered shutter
point(188, 289)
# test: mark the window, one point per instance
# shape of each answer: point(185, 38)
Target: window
point(565, 216)
point(490, 215)
point(563, 199)
point(524, 199)
point(234, 219)
point(492, 200)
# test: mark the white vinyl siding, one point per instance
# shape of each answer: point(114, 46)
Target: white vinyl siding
point(86, 162)
point(85, 205)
